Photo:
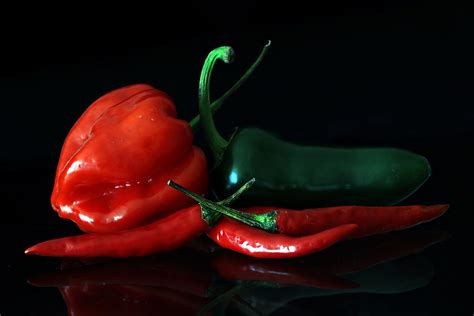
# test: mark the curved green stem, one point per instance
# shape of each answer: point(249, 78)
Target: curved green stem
point(216, 142)
point(265, 221)
point(196, 121)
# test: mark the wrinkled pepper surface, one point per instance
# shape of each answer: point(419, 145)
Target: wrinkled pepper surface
point(118, 157)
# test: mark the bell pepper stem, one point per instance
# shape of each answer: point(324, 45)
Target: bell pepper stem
point(265, 221)
point(196, 121)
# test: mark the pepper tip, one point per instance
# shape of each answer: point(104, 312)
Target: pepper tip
point(443, 208)
point(29, 251)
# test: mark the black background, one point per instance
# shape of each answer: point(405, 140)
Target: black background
point(377, 73)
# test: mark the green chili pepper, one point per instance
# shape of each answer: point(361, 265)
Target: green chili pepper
point(290, 175)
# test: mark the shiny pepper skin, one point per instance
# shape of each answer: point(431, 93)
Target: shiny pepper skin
point(310, 176)
point(118, 157)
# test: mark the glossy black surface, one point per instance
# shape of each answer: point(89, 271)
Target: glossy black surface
point(365, 74)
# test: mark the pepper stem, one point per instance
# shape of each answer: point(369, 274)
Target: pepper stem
point(212, 217)
point(196, 121)
point(216, 142)
point(265, 221)
point(229, 200)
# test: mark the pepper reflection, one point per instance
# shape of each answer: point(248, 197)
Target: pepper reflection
point(191, 282)
point(385, 264)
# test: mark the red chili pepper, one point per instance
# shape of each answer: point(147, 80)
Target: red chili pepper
point(370, 219)
point(326, 221)
point(117, 158)
point(181, 227)
point(254, 242)
point(165, 234)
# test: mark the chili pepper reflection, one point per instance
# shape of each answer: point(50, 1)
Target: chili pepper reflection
point(170, 285)
point(173, 271)
point(186, 282)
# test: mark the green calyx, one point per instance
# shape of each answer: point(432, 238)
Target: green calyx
point(265, 221)
point(225, 53)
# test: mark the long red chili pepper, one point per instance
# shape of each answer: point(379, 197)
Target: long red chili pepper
point(371, 220)
point(163, 235)
point(239, 237)
point(252, 241)
point(255, 242)
point(168, 234)
point(329, 222)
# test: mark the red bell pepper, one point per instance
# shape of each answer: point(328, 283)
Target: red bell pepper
point(117, 158)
